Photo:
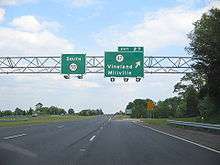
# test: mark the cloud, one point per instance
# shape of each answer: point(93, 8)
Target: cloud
point(83, 3)
point(2, 14)
point(158, 29)
point(27, 23)
point(31, 36)
point(14, 2)
point(15, 42)
point(26, 90)
point(55, 82)
point(32, 24)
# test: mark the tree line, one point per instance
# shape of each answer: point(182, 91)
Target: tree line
point(52, 110)
point(198, 93)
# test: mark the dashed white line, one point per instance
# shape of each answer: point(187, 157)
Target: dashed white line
point(60, 126)
point(180, 138)
point(92, 138)
point(14, 136)
point(82, 149)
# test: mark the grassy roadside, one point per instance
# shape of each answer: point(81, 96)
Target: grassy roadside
point(215, 119)
point(162, 121)
point(121, 117)
point(8, 122)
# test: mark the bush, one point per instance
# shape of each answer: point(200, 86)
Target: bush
point(71, 111)
point(206, 107)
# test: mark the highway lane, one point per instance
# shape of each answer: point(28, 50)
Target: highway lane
point(126, 143)
point(99, 141)
point(44, 142)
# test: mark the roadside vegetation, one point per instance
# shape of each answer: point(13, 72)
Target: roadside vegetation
point(198, 93)
point(53, 110)
point(42, 114)
point(161, 121)
point(121, 116)
point(43, 119)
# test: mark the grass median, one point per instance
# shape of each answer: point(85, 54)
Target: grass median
point(12, 121)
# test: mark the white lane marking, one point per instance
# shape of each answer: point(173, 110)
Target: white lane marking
point(82, 149)
point(180, 138)
point(92, 138)
point(14, 136)
point(60, 126)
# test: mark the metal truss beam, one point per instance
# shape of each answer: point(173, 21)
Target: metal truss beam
point(94, 64)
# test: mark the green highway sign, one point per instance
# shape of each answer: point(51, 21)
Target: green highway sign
point(73, 64)
point(130, 49)
point(124, 64)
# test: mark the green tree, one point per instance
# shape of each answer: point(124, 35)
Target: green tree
point(189, 88)
point(162, 109)
point(138, 107)
point(191, 97)
point(171, 107)
point(55, 111)
point(18, 111)
point(181, 109)
point(38, 106)
point(71, 111)
point(192, 80)
point(130, 105)
point(206, 107)
point(7, 113)
point(99, 112)
point(205, 47)
point(90, 112)
point(30, 111)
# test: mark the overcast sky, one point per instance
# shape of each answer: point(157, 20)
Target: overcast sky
point(53, 27)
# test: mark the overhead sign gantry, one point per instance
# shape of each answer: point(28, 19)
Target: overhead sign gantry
point(128, 62)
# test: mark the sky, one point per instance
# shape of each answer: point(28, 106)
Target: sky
point(53, 27)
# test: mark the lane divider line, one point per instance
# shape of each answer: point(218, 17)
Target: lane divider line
point(60, 126)
point(82, 149)
point(92, 138)
point(180, 138)
point(14, 136)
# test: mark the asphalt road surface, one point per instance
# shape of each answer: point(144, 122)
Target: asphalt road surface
point(99, 141)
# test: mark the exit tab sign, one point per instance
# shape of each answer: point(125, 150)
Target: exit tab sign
point(130, 49)
point(73, 64)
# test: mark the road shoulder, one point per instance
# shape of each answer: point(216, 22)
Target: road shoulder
point(204, 138)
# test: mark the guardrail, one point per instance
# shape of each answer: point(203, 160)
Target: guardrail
point(215, 127)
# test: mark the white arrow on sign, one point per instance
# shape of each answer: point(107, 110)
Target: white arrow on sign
point(138, 63)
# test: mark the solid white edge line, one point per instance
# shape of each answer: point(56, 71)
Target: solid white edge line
point(180, 138)
point(14, 136)
point(92, 138)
